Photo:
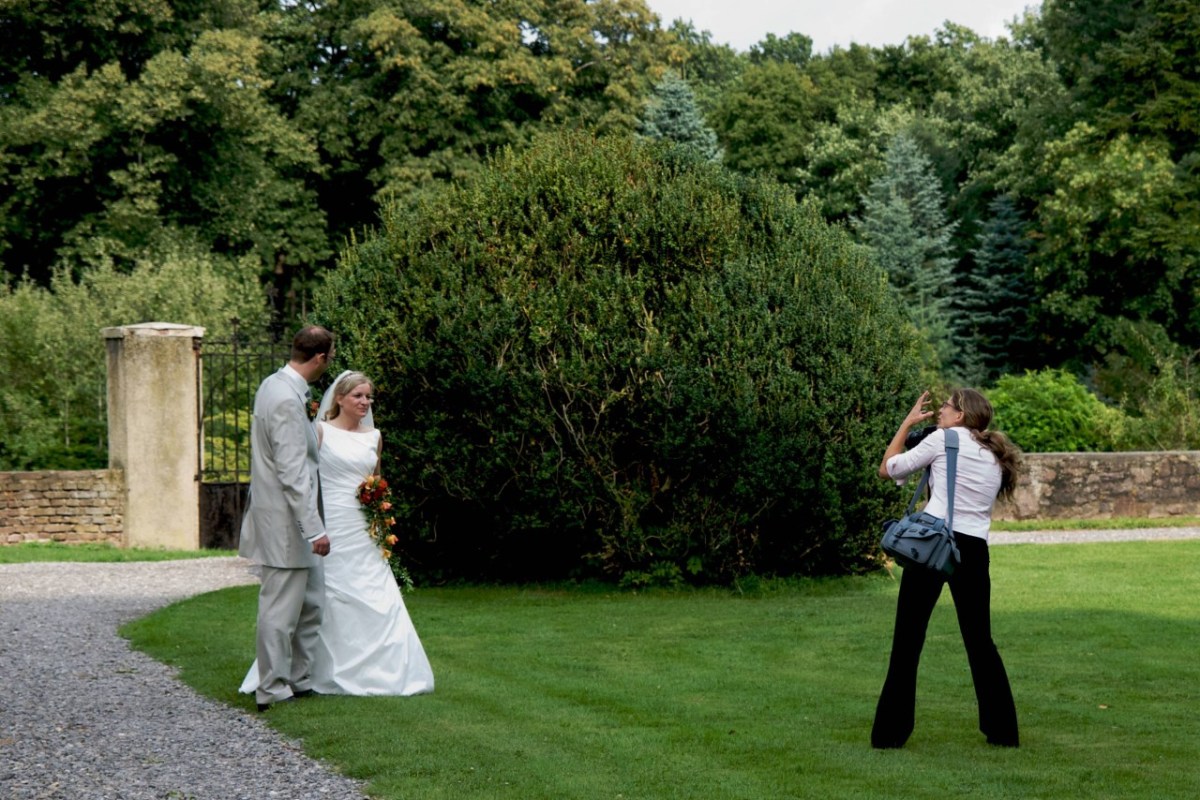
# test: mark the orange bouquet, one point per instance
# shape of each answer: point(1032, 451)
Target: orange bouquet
point(379, 507)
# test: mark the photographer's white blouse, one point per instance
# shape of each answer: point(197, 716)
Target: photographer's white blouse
point(976, 482)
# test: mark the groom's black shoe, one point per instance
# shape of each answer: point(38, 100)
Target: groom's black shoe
point(304, 693)
point(266, 706)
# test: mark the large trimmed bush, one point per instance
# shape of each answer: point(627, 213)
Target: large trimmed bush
point(593, 360)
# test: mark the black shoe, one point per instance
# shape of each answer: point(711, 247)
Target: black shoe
point(304, 693)
point(267, 706)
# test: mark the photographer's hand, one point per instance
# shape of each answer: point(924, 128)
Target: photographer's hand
point(916, 415)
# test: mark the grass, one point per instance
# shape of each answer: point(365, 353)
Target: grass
point(94, 552)
point(592, 693)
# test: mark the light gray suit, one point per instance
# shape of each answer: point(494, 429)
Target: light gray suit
point(277, 532)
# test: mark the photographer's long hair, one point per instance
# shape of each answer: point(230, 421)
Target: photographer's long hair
point(977, 416)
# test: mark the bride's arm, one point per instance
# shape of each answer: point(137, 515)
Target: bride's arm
point(379, 454)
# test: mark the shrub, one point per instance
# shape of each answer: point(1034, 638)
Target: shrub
point(1166, 415)
point(592, 360)
point(52, 404)
point(1051, 411)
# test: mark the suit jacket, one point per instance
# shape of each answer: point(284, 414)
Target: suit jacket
point(282, 519)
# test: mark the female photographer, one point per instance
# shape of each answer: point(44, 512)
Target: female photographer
point(988, 466)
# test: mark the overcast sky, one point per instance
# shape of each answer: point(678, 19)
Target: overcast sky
point(742, 23)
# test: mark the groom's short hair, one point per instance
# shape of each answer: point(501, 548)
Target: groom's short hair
point(310, 341)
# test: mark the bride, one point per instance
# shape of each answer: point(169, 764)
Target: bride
point(367, 644)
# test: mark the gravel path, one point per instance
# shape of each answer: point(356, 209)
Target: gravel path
point(84, 717)
point(1072, 537)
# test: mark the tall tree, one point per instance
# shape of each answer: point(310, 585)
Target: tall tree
point(905, 223)
point(795, 48)
point(921, 67)
point(994, 295)
point(1007, 103)
point(1134, 67)
point(847, 154)
point(105, 162)
point(766, 118)
point(277, 127)
point(50, 39)
point(400, 94)
point(707, 66)
point(1116, 190)
point(1119, 239)
point(671, 114)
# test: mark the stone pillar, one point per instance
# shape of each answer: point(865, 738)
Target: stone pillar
point(153, 422)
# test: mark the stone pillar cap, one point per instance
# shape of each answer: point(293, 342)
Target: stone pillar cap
point(153, 329)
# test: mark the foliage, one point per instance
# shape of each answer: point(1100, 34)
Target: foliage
point(1050, 411)
point(672, 115)
point(276, 128)
point(1159, 388)
point(1112, 243)
point(1006, 103)
point(54, 399)
point(1133, 67)
point(707, 66)
point(595, 362)
point(764, 119)
point(846, 155)
point(905, 224)
point(994, 296)
point(921, 68)
point(1119, 191)
point(103, 161)
point(794, 48)
point(226, 443)
point(400, 96)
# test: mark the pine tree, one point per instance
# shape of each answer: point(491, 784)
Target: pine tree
point(672, 114)
point(994, 295)
point(906, 224)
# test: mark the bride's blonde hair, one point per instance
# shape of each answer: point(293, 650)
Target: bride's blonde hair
point(345, 386)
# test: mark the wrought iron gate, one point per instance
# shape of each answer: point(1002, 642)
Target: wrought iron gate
point(229, 375)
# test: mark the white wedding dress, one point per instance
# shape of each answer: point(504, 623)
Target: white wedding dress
point(367, 644)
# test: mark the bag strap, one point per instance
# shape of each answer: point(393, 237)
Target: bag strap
point(951, 474)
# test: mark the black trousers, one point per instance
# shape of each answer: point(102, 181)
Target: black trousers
point(971, 588)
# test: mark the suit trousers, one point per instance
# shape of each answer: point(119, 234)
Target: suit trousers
point(971, 588)
point(290, 604)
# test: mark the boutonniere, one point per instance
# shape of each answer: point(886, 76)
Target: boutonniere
point(312, 406)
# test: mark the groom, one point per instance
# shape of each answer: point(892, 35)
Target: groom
point(282, 529)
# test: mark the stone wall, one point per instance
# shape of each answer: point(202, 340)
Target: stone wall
point(89, 506)
point(1106, 485)
point(82, 506)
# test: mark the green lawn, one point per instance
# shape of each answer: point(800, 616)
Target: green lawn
point(94, 552)
point(592, 693)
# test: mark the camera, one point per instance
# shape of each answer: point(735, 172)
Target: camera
point(916, 436)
